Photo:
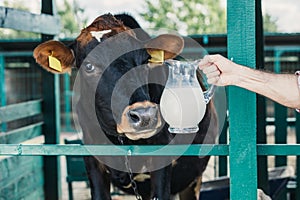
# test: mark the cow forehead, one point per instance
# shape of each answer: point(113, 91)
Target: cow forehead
point(112, 48)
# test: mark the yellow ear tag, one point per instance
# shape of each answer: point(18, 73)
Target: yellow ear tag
point(54, 63)
point(157, 56)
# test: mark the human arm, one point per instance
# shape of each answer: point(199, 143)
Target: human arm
point(282, 88)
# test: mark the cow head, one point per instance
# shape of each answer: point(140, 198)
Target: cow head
point(114, 74)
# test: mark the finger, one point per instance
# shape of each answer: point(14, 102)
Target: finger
point(213, 74)
point(204, 62)
point(210, 69)
point(213, 58)
point(203, 65)
point(213, 80)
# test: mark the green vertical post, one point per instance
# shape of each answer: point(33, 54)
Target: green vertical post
point(280, 117)
point(223, 159)
point(280, 131)
point(51, 128)
point(297, 191)
point(262, 162)
point(242, 103)
point(277, 55)
point(2, 87)
point(67, 94)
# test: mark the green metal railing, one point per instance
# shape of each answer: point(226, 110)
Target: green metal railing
point(141, 150)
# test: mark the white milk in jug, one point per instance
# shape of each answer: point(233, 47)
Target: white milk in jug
point(182, 108)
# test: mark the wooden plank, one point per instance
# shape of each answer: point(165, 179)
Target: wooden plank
point(242, 127)
point(26, 21)
point(10, 167)
point(33, 181)
point(21, 110)
point(22, 186)
point(38, 193)
point(21, 177)
point(21, 134)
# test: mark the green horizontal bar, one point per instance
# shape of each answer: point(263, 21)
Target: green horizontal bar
point(112, 150)
point(21, 134)
point(20, 110)
point(16, 54)
point(140, 150)
point(278, 149)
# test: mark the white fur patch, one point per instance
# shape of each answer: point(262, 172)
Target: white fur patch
point(99, 34)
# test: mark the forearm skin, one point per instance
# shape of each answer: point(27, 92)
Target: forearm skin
point(282, 88)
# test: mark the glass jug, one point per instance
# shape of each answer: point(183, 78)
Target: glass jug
point(183, 103)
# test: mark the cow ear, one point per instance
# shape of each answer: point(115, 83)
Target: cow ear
point(54, 57)
point(164, 47)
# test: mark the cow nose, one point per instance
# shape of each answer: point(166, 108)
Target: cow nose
point(143, 118)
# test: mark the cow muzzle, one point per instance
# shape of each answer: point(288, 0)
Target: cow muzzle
point(140, 120)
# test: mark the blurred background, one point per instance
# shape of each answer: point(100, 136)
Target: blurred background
point(186, 17)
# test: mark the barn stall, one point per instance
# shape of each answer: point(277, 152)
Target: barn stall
point(247, 149)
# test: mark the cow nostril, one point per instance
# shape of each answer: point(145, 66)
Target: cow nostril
point(142, 118)
point(134, 116)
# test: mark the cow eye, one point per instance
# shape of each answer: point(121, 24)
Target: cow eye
point(89, 68)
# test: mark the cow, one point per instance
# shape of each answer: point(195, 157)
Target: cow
point(120, 85)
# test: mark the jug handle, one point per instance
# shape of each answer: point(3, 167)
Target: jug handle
point(208, 94)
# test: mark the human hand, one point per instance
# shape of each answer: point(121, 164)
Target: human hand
point(219, 70)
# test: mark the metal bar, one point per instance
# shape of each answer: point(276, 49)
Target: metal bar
point(140, 150)
point(262, 161)
point(277, 67)
point(15, 54)
point(278, 149)
point(3, 127)
point(51, 128)
point(241, 30)
point(280, 116)
point(280, 131)
point(67, 94)
point(223, 161)
point(112, 150)
point(297, 190)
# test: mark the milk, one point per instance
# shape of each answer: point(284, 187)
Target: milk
point(182, 108)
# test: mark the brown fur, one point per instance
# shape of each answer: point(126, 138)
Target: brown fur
point(104, 22)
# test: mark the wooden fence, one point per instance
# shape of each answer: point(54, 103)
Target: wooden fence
point(31, 177)
point(21, 177)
